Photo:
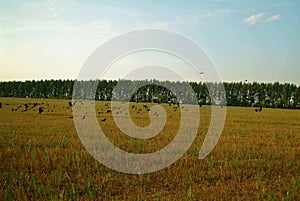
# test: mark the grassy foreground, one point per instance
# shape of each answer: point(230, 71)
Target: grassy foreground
point(42, 158)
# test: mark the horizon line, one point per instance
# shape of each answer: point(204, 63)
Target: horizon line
point(197, 81)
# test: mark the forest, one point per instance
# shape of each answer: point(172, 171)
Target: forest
point(272, 95)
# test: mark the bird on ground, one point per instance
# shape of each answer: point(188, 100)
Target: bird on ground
point(41, 110)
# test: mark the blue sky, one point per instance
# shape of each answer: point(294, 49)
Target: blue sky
point(253, 40)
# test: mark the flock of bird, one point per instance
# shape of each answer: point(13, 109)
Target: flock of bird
point(42, 107)
point(33, 106)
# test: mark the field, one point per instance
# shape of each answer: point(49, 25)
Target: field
point(42, 157)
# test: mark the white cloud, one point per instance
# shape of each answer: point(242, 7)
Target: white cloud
point(51, 1)
point(69, 28)
point(181, 20)
point(253, 19)
point(199, 18)
point(52, 16)
point(101, 25)
point(161, 24)
point(273, 18)
point(134, 14)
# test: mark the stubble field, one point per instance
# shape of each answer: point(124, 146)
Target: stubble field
point(42, 158)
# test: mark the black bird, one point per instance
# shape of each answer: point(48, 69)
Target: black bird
point(41, 110)
point(258, 109)
point(70, 104)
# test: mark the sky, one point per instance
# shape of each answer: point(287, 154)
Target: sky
point(254, 40)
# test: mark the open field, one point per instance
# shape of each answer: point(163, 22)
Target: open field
point(42, 158)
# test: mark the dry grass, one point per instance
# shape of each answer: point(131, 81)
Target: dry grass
point(42, 158)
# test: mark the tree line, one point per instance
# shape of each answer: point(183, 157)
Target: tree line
point(273, 95)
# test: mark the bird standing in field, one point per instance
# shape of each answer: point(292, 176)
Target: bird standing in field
point(41, 110)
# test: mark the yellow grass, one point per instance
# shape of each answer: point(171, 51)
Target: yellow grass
point(42, 158)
